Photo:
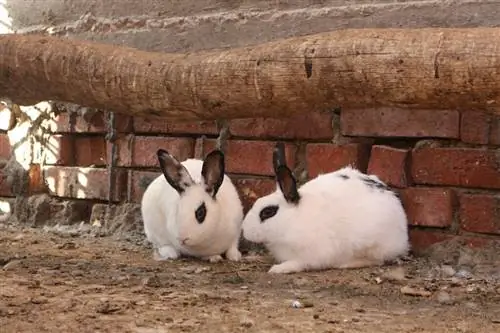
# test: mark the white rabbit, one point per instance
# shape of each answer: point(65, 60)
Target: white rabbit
point(342, 219)
point(193, 209)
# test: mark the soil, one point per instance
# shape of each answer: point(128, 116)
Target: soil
point(55, 281)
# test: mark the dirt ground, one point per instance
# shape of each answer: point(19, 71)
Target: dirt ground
point(68, 282)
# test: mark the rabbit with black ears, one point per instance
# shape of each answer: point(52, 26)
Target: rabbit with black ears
point(192, 209)
point(342, 219)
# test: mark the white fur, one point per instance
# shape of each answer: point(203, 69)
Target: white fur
point(169, 217)
point(338, 223)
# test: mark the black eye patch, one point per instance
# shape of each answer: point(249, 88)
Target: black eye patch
point(201, 213)
point(268, 212)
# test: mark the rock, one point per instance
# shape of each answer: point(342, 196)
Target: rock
point(407, 290)
point(444, 298)
point(447, 270)
point(463, 274)
point(11, 265)
point(246, 322)
point(39, 300)
point(395, 275)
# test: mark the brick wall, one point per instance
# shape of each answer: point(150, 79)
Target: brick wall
point(445, 165)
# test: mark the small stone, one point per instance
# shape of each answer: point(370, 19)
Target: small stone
point(447, 270)
point(454, 281)
point(67, 246)
point(11, 265)
point(39, 300)
point(444, 298)
point(395, 275)
point(471, 305)
point(152, 281)
point(246, 322)
point(297, 305)
point(406, 290)
point(463, 274)
point(316, 316)
point(19, 237)
point(378, 280)
point(141, 302)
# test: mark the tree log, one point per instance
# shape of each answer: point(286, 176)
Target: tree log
point(412, 68)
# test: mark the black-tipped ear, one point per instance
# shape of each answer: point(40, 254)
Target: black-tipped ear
point(175, 173)
point(279, 157)
point(287, 184)
point(213, 171)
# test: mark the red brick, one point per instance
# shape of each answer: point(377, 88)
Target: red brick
point(141, 150)
point(5, 148)
point(149, 125)
point(480, 213)
point(60, 123)
point(138, 182)
point(312, 125)
point(480, 128)
point(430, 207)
point(390, 165)
point(35, 179)
point(250, 189)
point(97, 123)
point(456, 166)
point(84, 183)
point(326, 157)
point(5, 188)
point(58, 150)
point(90, 151)
point(248, 157)
point(393, 122)
point(421, 240)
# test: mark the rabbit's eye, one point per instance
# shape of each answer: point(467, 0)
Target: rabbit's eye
point(201, 213)
point(268, 212)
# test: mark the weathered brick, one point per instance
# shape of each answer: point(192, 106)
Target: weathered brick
point(393, 122)
point(57, 149)
point(97, 123)
point(5, 188)
point(84, 183)
point(163, 126)
point(421, 240)
point(456, 166)
point(390, 165)
point(90, 151)
point(480, 213)
point(312, 125)
point(138, 181)
point(324, 157)
point(5, 148)
point(480, 128)
point(248, 157)
point(141, 150)
point(60, 123)
point(430, 207)
point(250, 189)
point(36, 183)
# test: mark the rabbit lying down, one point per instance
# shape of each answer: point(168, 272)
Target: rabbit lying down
point(342, 219)
point(192, 209)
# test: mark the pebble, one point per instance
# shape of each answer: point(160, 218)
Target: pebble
point(246, 322)
point(406, 290)
point(448, 271)
point(11, 264)
point(395, 275)
point(444, 298)
point(463, 274)
point(304, 304)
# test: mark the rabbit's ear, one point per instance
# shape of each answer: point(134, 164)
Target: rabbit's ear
point(213, 172)
point(175, 173)
point(287, 184)
point(279, 157)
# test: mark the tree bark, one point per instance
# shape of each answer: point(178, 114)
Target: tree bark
point(411, 68)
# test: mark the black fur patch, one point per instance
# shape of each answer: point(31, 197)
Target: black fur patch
point(374, 184)
point(345, 177)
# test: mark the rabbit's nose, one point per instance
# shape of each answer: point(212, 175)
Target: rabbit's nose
point(183, 240)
